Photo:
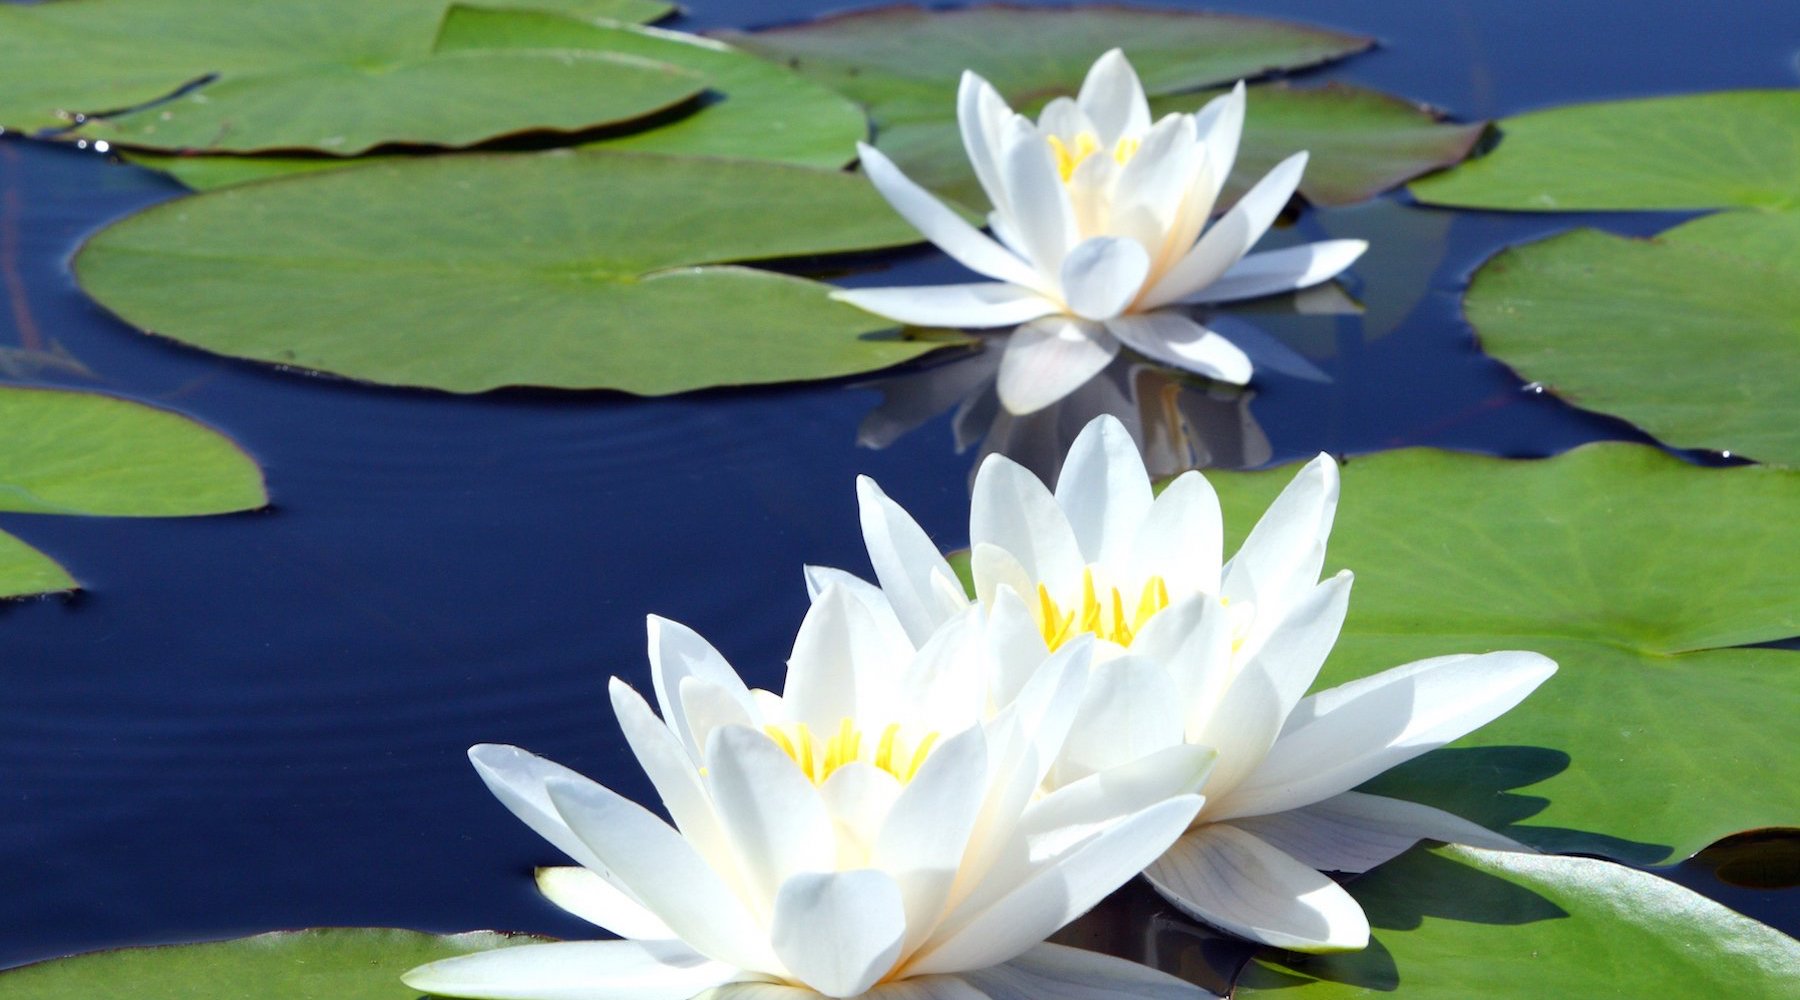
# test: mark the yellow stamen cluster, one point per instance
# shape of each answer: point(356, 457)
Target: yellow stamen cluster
point(1086, 145)
point(892, 752)
point(1104, 617)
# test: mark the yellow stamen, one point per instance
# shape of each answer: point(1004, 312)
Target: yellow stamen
point(1103, 617)
point(819, 759)
point(1086, 145)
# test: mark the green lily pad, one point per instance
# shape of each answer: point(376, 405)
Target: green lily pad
point(577, 269)
point(903, 63)
point(25, 571)
point(1648, 580)
point(1695, 151)
point(335, 75)
point(1458, 922)
point(340, 963)
point(1692, 336)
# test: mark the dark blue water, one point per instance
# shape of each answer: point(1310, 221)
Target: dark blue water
point(258, 721)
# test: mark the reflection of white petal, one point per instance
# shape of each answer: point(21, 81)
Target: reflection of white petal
point(1231, 879)
point(939, 224)
point(838, 932)
point(1056, 972)
point(1105, 492)
point(1355, 831)
point(975, 305)
point(1047, 359)
point(1174, 339)
point(574, 970)
point(1114, 99)
point(1101, 276)
point(1231, 237)
point(1278, 271)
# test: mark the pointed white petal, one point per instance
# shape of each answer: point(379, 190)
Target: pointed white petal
point(1063, 118)
point(1174, 339)
point(1281, 558)
point(1296, 649)
point(1339, 738)
point(838, 932)
point(1091, 188)
point(574, 970)
point(1055, 972)
point(824, 674)
point(1041, 216)
point(1015, 642)
point(1153, 182)
point(1229, 878)
point(1220, 124)
point(935, 221)
point(927, 830)
point(669, 769)
point(1279, 271)
point(993, 568)
point(1354, 832)
point(1068, 815)
point(1131, 709)
point(1104, 491)
point(1113, 99)
point(974, 306)
point(1014, 510)
point(1191, 639)
point(944, 688)
point(871, 597)
point(906, 560)
point(1050, 358)
point(1231, 238)
point(975, 105)
point(1242, 726)
point(585, 894)
point(1100, 276)
point(1181, 538)
point(677, 652)
point(774, 819)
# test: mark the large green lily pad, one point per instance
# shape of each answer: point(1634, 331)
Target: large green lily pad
point(349, 963)
point(334, 75)
point(1646, 579)
point(1457, 922)
point(1693, 335)
point(577, 269)
point(85, 453)
point(1694, 151)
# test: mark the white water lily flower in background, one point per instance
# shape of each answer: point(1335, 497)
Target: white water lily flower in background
point(1098, 218)
point(866, 832)
point(1190, 650)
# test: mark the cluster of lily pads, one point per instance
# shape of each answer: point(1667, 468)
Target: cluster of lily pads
point(547, 192)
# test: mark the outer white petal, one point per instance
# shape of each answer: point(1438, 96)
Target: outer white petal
point(574, 970)
point(1339, 738)
point(942, 226)
point(871, 597)
point(976, 104)
point(1100, 276)
point(1114, 99)
point(1174, 339)
point(1012, 509)
point(676, 652)
point(1220, 124)
point(1296, 649)
point(1231, 879)
point(910, 988)
point(1131, 709)
point(927, 830)
point(1181, 538)
point(1230, 238)
point(669, 769)
point(1047, 359)
point(585, 894)
point(1277, 271)
point(1280, 560)
point(975, 306)
point(1042, 218)
point(906, 562)
point(1242, 726)
point(1104, 491)
point(838, 932)
point(1055, 972)
point(1354, 832)
point(772, 814)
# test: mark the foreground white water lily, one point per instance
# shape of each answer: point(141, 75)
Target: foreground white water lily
point(865, 832)
point(1193, 651)
point(1097, 226)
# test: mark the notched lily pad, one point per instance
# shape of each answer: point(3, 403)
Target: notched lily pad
point(338, 963)
point(574, 269)
point(1693, 335)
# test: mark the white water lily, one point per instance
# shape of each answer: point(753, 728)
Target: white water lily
point(1191, 650)
point(865, 833)
point(1099, 222)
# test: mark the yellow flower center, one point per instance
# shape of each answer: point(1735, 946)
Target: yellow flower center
point(892, 751)
point(1086, 145)
point(1102, 615)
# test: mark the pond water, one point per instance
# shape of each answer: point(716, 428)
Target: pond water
point(258, 721)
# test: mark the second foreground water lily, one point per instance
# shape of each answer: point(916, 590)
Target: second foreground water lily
point(1099, 222)
point(865, 832)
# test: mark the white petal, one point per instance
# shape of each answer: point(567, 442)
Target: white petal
point(1339, 738)
point(574, 970)
point(944, 688)
point(1054, 972)
point(1068, 815)
point(585, 894)
point(1191, 639)
point(1104, 491)
point(859, 797)
point(928, 828)
point(838, 648)
point(974, 306)
point(1296, 649)
point(669, 769)
point(1278, 271)
point(910, 988)
point(1114, 99)
point(1354, 832)
point(906, 560)
point(976, 104)
point(1230, 879)
point(663, 870)
point(1242, 727)
point(1049, 358)
point(1063, 118)
point(838, 932)
point(1154, 181)
point(1015, 642)
point(1015, 511)
point(871, 597)
point(942, 226)
point(1174, 339)
point(1041, 216)
point(706, 707)
point(1220, 125)
point(1131, 709)
point(1281, 558)
point(1231, 237)
point(1101, 276)
point(1181, 538)
point(677, 651)
point(771, 813)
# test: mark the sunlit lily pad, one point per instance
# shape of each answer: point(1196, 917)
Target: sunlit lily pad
point(1694, 151)
point(347, 963)
point(1458, 922)
point(1644, 577)
point(1693, 335)
point(85, 453)
point(334, 75)
point(577, 269)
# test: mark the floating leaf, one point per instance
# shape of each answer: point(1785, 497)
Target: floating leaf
point(576, 269)
point(336, 75)
point(1459, 922)
point(1693, 335)
point(903, 63)
point(1695, 151)
point(24, 570)
point(1645, 578)
point(340, 963)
